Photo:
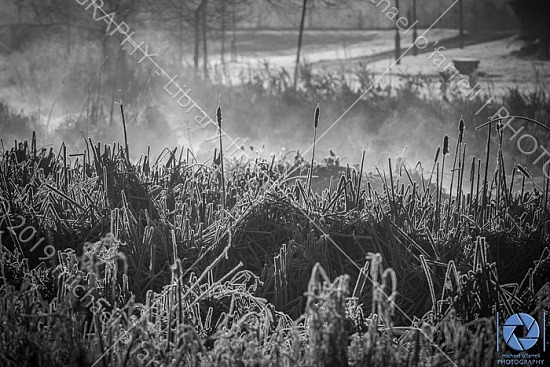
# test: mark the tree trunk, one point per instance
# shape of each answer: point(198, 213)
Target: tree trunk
point(197, 39)
point(234, 40)
point(222, 51)
point(197, 30)
point(302, 22)
point(204, 41)
point(180, 39)
point(461, 22)
point(415, 29)
point(397, 38)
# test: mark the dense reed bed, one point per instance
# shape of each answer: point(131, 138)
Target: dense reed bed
point(167, 261)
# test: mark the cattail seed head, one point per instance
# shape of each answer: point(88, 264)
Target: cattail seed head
point(316, 119)
point(460, 130)
point(473, 169)
point(219, 116)
point(523, 171)
point(446, 145)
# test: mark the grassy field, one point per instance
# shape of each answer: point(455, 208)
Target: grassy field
point(166, 261)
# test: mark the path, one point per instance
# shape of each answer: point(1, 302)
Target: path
point(448, 43)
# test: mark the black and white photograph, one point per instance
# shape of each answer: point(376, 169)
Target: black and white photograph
point(264, 183)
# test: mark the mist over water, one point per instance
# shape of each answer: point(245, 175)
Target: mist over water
point(403, 116)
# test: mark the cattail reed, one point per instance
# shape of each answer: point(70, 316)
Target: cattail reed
point(359, 180)
point(219, 120)
point(461, 168)
point(457, 155)
point(445, 145)
point(65, 170)
point(546, 188)
point(472, 179)
point(461, 126)
point(440, 190)
point(33, 145)
point(392, 185)
point(437, 152)
point(315, 125)
point(485, 183)
point(125, 135)
point(460, 130)
point(523, 171)
point(437, 199)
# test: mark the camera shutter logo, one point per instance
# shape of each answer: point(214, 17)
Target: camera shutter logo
point(518, 321)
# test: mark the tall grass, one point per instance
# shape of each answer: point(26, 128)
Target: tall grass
point(263, 273)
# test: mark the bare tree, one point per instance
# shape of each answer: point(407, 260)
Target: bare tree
point(80, 21)
point(198, 17)
point(58, 14)
point(305, 6)
point(300, 36)
point(75, 19)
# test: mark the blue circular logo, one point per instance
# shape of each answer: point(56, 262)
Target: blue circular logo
point(531, 327)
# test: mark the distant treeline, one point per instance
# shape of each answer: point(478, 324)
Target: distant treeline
point(371, 14)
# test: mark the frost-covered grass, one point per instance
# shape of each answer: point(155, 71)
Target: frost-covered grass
point(173, 262)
